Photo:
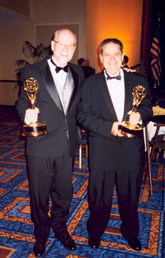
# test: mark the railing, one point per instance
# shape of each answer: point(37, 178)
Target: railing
point(9, 81)
point(134, 66)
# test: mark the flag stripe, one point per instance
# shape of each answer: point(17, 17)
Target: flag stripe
point(155, 64)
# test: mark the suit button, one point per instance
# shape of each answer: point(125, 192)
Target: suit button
point(64, 129)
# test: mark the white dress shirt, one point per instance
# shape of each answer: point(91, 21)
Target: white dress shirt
point(116, 90)
point(59, 80)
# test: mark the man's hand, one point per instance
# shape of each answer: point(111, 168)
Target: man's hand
point(31, 115)
point(134, 118)
point(129, 70)
point(115, 130)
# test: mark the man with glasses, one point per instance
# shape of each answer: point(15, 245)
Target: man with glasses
point(50, 157)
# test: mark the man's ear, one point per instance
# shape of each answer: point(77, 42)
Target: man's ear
point(52, 45)
point(101, 59)
point(123, 56)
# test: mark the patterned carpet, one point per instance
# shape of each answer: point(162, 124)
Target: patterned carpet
point(16, 228)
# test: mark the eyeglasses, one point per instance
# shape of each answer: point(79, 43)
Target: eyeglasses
point(70, 46)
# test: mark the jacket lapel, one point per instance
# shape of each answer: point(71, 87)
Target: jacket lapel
point(75, 88)
point(128, 95)
point(50, 86)
point(106, 95)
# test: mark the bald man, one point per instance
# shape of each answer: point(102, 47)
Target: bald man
point(50, 156)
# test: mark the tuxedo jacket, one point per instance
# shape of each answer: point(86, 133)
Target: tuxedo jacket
point(51, 111)
point(88, 71)
point(96, 112)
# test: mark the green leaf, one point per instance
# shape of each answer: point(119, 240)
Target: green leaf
point(28, 50)
point(22, 63)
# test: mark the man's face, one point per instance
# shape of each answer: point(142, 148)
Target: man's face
point(112, 58)
point(63, 47)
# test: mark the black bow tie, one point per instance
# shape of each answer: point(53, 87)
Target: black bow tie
point(58, 68)
point(65, 69)
point(118, 77)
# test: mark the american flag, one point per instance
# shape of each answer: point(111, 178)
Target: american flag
point(155, 65)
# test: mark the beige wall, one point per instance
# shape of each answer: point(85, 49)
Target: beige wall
point(18, 6)
point(49, 15)
point(46, 16)
point(110, 18)
point(91, 20)
point(13, 36)
point(8, 93)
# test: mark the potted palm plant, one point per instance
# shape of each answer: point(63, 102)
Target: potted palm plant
point(32, 55)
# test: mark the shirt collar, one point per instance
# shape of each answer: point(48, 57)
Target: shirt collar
point(56, 63)
point(120, 72)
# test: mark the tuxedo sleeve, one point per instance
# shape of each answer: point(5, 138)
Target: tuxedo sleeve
point(88, 112)
point(22, 102)
point(145, 108)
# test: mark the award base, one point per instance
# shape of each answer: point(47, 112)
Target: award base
point(34, 129)
point(131, 130)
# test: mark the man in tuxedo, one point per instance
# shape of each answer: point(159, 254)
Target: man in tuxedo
point(88, 70)
point(125, 62)
point(50, 157)
point(113, 158)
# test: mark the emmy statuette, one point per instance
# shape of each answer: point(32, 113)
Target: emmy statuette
point(32, 129)
point(134, 130)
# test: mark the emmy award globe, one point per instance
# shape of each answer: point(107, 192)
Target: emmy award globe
point(32, 129)
point(132, 130)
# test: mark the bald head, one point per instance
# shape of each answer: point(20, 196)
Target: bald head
point(66, 32)
point(63, 46)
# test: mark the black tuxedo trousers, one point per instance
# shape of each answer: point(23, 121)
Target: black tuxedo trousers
point(101, 189)
point(50, 176)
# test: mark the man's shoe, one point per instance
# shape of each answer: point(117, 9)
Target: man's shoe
point(68, 243)
point(39, 249)
point(135, 244)
point(94, 243)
